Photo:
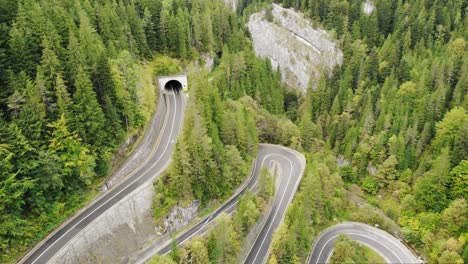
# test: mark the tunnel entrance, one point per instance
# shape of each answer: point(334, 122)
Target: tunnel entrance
point(174, 86)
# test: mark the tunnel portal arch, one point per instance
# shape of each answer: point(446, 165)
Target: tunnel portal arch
point(175, 83)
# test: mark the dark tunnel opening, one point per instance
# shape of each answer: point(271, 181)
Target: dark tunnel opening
point(173, 85)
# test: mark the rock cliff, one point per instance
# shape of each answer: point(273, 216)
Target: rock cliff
point(302, 52)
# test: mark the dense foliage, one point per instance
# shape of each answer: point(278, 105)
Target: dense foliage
point(224, 242)
point(349, 251)
point(395, 114)
point(219, 140)
point(72, 88)
point(213, 152)
point(319, 200)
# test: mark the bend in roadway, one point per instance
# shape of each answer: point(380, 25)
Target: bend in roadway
point(386, 245)
point(155, 164)
point(292, 167)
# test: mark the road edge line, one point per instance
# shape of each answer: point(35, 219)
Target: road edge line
point(93, 201)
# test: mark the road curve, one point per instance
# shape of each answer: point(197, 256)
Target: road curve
point(292, 167)
point(389, 247)
point(162, 145)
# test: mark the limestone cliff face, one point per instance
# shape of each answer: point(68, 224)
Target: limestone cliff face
point(302, 52)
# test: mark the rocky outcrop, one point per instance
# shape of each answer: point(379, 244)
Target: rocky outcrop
point(341, 162)
point(179, 217)
point(302, 52)
point(368, 7)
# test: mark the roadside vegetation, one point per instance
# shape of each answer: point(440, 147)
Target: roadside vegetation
point(225, 240)
point(239, 103)
point(222, 129)
point(349, 251)
point(394, 117)
point(320, 199)
point(77, 79)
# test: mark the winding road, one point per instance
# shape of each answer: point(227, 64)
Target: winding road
point(157, 147)
point(389, 247)
point(292, 165)
point(161, 143)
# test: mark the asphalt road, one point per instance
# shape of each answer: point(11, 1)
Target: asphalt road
point(159, 158)
point(292, 166)
point(389, 247)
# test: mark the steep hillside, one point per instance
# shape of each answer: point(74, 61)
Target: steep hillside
point(395, 114)
point(76, 80)
point(303, 53)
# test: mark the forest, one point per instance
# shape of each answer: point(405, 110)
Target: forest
point(391, 120)
point(395, 113)
point(76, 80)
point(224, 242)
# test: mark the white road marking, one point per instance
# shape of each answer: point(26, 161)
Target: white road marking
point(98, 199)
point(275, 214)
point(227, 209)
point(366, 244)
point(143, 174)
point(356, 234)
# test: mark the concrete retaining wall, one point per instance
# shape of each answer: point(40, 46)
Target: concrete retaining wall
point(127, 227)
point(117, 234)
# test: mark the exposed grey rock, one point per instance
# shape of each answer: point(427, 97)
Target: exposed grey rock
point(179, 217)
point(341, 161)
point(124, 231)
point(372, 170)
point(368, 7)
point(302, 52)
